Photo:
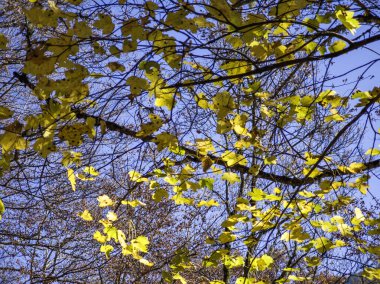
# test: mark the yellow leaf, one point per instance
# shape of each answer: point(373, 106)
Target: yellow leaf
point(337, 46)
point(257, 194)
point(223, 103)
point(111, 216)
point(140, 243)
point(121, 238)
point(232, 262)
point(146, 262)
point(208, 203)
point(82, 29)
point(99, 237)
point(137, 84)
point(296, 234)
point(223, 126)
point(373, 152)
point(2, 208)
point(335, 116)
point(359, 214)
point(204, 146)
point(180, 200)
point(136, 176)
point(166, 140)
point(313, 174)
point(86, 215)
point(201, 101)
point(259, 50)
point(356, 167)
point(262, 263)
point(322, 244)
point(348, 20)
point(254, 170)
point(107, 249)
point(177, 276)
point(236, 67)
point(272, 160)
point(105, 201)
point(233, 158)
point(244, 280)
point(91, 171)
point(371, 273)
point(133, 203)
point(230, 177)
point(160, 194)
point(11, 140)
point(111, 232)
point(71, 177)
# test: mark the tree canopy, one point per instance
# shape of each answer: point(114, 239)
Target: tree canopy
point(189, 141)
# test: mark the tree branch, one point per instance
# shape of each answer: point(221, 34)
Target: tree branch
point(195, 156)
point(353, 46)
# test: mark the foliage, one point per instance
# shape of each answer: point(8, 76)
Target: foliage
point(188, 141)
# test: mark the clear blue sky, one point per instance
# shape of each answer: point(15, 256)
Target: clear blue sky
point(371, 79)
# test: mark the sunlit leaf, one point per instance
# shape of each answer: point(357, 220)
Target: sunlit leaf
point(86, 215)
point(105, 201)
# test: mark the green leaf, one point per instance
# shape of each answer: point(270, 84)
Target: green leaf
point(272, 160)
point(137, 84)
point(226, 237)
point(115, 66)
point(104, 23)
point(5, 112)
point(313, 261)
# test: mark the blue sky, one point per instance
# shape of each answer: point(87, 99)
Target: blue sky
point(371, 79)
